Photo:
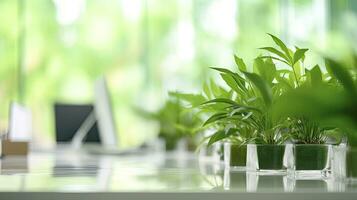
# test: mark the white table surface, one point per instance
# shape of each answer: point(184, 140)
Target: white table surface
point(71, 175)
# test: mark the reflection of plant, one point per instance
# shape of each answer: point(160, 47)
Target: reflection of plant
point(176, 121)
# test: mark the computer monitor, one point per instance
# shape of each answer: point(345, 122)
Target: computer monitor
point(68, 119)
point(104, 114)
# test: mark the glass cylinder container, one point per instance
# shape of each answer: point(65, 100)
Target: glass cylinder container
point(266, 159)
point(338, 163)
point(345, 163)
point(311, 161)
point(211, 153)
point(351, 164)
point(235, 156)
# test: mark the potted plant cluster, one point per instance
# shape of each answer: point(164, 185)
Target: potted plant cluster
point(243, 115)
point(257, 135)
point(312, 141)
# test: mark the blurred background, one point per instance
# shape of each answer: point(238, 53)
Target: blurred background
point(53, 50)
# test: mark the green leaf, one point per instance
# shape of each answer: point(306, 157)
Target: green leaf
point(207, 91)
point(341, 74)
point(193, 99)
point(283, 71)
point(283, 82)
point(232, 104)
point(237, 110)
point(225, 94)
point(216, 91)
point(231, 82)
point(247, 115)
point(266, 69)
point(258, 64)
point(240, 63)
point(240, 81)
point(246, 107)
point(217, 136)
point(223, 70)
point(298, 71)
point(316, 75)
point(299, 54)
point(354, 57)
point(274, 58)
point(291, 78)
point(220, 135)
point(215, 117)
point(303, 57)
point(270, 70)
point(276, 52)
point(262, 86)
point(237, 78)
point(282, 46)
point(221, 100)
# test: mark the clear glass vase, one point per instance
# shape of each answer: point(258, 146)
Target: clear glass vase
point(220, 152)
point(235, 156)
point(345, 163)
point(351, 164)
point(266, 159)
point(211, 153)
point(311, 161)
point(338, 163)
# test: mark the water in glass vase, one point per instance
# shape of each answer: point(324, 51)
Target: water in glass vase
point(267, 159)
point(311, 161)
point(235, 156)
point(351, 164)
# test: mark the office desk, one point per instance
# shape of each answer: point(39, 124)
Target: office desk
point(70, 175)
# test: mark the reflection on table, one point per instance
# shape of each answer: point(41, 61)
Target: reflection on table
point(158, 172)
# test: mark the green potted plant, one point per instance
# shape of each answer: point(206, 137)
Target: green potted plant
point(231, 140)
point(332, 104)
point(176, 123)
point(245, 116)
point(245, 120)
point(208, 150)
point(311, 150)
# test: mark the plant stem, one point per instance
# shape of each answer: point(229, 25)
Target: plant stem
point(297, 81)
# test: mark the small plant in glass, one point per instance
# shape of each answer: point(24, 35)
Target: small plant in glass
point(311, 155)
point(312, 149)
point(245, 117)
point(332, 103)
point(235, 150)
point(177, 124)
point(242, 115)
